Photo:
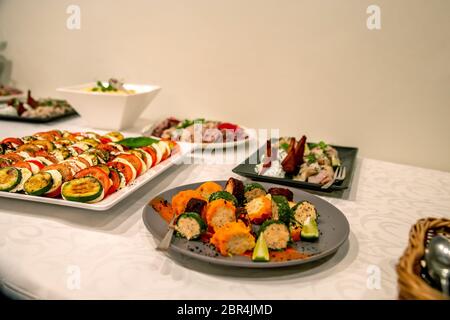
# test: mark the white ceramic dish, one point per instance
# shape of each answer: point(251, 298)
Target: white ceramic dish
point(116, 197)
point(111, 111)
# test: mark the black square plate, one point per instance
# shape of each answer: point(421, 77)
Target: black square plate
point(346, 154)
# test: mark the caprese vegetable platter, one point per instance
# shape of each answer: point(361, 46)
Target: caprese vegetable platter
point(81, 169)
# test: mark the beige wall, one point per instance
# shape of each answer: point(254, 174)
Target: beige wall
point(303, 66)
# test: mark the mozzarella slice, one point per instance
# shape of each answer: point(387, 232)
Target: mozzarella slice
point(159, 152)
point(164, 146)
point(148, 158)
point(34, 168)
point(26, 174)
point(24, 154)
point(58, 155)
point(87, 158)
point(57, 180)
point(45, 161)
point(99, 198)
point(116, 145)
point(128, 164)
point(144, 165)
point(83, 146)
point(123, 181)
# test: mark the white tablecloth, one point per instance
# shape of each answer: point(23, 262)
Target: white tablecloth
point(52, 252)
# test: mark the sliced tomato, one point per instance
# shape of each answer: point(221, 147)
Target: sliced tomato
point(45, 136)
point(104, 167)
point(63, 169)
point(84, 161)
point(29, 148)
point(54, 194)
point(56, 133)
point(166, 148)
point(134, 160)
point(115, 178)
point(11, 140)
point(107, 147)
point(23, 164)
point(13, 157)
point(39, 164)
point(97, 173)
point(172, 144)
point(152, 153)
point(124, 169)
point(105, 140)
point(46, 155)
point(5, 162)
point(78, 149)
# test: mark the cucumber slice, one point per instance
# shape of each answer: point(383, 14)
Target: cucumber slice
point(310, 230)
point(84, 189)
point(9, 178)
point(261, 251)
point(38, 184)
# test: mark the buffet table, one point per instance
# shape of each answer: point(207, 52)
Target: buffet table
point(52, 252)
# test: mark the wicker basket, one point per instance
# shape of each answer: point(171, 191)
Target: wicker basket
point(411, 285)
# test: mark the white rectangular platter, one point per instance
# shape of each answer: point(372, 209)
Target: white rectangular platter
point(113, 199)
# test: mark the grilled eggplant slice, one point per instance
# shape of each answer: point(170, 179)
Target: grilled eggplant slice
point(86, 189)
point(196, 205)
point(9, 178)
point(236, 188)
point(38, 184)
point(282, 192)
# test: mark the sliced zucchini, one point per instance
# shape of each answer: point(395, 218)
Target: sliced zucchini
point(281, 209)
point(190, 225)
point(84, 189)
point(9, 178)
point(310, 230)
point(25, 175)
point(38, 184)
point(223, 195)
point(57, 180)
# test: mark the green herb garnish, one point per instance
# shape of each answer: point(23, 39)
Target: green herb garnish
point(187, 123)
point(137, 142)
point(311, 158)
point(284, 146)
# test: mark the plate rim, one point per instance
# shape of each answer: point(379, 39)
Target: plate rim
point(253, 265)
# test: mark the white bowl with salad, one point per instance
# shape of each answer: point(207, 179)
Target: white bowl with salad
point(111, 104)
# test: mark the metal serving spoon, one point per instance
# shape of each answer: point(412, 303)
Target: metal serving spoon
point(437, 258)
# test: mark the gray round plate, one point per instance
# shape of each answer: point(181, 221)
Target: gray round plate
point(333, 226)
